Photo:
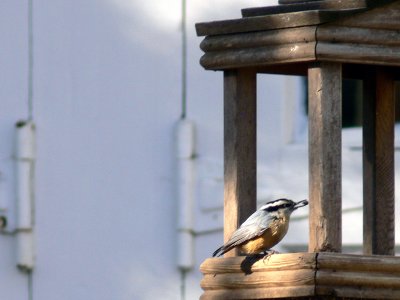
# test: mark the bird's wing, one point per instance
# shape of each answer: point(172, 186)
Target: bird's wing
point(254, 226)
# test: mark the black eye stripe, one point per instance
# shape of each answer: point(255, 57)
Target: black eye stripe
point(271, 209)
point(276, 207)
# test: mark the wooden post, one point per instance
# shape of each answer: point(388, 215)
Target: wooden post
point(378, 163)
point(240, 166)
point(325, 125)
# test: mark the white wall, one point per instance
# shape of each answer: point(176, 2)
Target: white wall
point(105, 104)
point(13, 95)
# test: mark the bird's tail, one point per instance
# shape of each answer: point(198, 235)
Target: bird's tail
point(223, 249)
point(220, 251)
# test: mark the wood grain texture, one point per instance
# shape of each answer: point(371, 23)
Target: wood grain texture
point(357, 36)
point(303, 6)
point(280, 275)
point(358, 276)
point(369, 37)
point(378, 163)
point(325, 125)
point(370, 3)
point(383, 17)
point(259, 39)
point(258, 56)
point(240, 149)
point(321, 275)
point(296, 1)
point(351, 293)
point(360, 263)
point(276, 262)
point(269, 279)
point(288, 20)
point(258, 48)
point(359, 279)
point(261, 293)
point(358, 53)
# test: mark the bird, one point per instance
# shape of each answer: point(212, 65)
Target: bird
point(265, 228)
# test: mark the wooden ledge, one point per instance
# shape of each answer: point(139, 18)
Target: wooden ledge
point(297, 275)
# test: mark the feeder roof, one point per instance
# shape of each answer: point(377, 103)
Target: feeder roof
point(279, 39)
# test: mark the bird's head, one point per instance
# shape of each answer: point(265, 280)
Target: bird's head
point(283, 206)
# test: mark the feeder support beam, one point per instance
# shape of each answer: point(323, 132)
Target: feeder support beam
point(378, 162)
point(240, 169)
point(325, 169)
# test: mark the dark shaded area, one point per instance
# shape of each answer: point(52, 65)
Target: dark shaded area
point(248, 263)
point(352, 100)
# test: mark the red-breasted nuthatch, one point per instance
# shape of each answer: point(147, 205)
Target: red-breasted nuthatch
point(263, 229)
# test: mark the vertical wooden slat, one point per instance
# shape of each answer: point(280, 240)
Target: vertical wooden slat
point(378, 163)
point(240, 169)
point(325, 124)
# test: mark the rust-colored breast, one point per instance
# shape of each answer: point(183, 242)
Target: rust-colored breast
point(270, 238)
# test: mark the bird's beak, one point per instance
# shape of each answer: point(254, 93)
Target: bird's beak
point(301, 204)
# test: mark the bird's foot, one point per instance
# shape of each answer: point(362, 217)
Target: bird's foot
point(268, 254)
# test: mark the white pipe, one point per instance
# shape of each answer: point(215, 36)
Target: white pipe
point(25, 159)
point(185, 153)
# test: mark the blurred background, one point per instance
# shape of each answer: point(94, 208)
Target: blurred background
point(111, 153)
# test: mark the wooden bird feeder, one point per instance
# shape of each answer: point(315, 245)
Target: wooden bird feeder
point(326, 41)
